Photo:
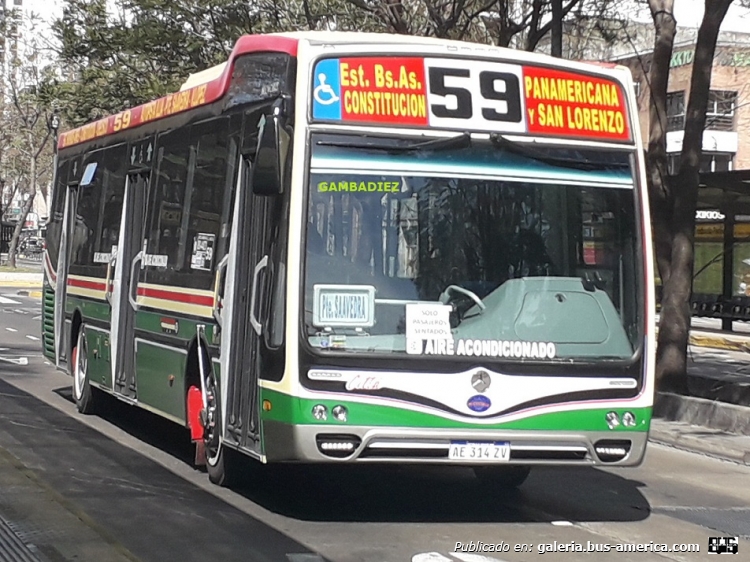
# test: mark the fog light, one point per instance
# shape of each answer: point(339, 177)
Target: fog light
point(628, 419)
point(333, 446)
point(340, 413)
point(613, 420)
point(337, 445)
point(320, 412)
point(611, 450)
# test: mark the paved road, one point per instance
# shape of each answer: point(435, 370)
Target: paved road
point(128, 477)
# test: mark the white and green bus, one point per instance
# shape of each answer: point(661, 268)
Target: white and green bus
point(362, 248)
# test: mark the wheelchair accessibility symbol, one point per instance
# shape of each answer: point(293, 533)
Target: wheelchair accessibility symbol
point(323, 93)
point(326, 91)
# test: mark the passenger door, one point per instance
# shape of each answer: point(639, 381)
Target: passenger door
point(241, 313)
point(123, 287)
point(62, 331)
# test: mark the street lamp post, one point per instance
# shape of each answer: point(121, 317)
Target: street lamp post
point(54, 126)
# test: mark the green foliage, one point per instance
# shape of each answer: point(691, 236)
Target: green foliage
point(147, 48)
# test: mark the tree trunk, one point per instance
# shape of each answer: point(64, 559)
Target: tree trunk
point(24, 213)
point(656, 157)
point(674, 326)
point(557, 28)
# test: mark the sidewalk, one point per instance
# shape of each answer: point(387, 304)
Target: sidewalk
point(715, 418)
point(37, 524)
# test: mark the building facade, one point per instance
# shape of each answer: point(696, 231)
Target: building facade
point(726, 148)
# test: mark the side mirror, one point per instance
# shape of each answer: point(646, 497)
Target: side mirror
point(267, 172)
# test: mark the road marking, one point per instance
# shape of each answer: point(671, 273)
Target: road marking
point(474, 557)
point(430, 557)
point(33, 338)
point(19, 311)
point(11, 329)
point(437, 557)
point(6, 300)
point(37, 317)
point(15, 360)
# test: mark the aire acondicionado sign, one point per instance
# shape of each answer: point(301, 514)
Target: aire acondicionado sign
point(466, 94)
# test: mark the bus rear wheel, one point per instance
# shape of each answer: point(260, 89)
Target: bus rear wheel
point(502, 476)
point(83, 394)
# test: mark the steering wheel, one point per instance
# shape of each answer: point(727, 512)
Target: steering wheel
point(445, 296)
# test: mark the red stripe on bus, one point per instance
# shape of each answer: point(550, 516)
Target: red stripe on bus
point(93, 285)
point(199, 95)
point(175, 296)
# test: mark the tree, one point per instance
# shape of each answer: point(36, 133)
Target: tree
point(27, 158)
point(674, 199)
point(121, 53)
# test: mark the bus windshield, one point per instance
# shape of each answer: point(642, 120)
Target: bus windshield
point(473, 248)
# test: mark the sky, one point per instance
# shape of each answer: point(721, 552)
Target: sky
point(689, 13)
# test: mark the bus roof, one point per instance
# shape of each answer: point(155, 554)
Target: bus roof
point(203, 92)
point(211, 84)
point(203, 76)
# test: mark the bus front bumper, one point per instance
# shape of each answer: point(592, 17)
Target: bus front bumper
point(359, 444)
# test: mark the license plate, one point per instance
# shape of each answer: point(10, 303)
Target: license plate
point(479, 452)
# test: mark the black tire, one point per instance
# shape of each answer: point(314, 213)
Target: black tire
point(502, 476)
point(83, 394)
point(220, 461)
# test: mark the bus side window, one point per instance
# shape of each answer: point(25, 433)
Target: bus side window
point(86, 220)
point(278, 223)
point(167, 204)
point(211, 186)
point(113, 185)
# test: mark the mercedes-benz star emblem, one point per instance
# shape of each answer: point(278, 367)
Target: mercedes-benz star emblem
point(480, 381)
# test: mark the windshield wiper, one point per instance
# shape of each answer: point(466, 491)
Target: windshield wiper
point(459, 141)
point(534, 153)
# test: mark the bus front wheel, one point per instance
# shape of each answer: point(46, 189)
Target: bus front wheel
point(219, 465)
point(502, 476)
point(83, 394)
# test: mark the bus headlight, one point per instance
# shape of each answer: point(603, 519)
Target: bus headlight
point(613, 420)
point(340, 413)
point(320, 412)
point(628, 419)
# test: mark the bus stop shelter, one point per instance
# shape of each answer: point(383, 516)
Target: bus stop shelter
point(721, 282)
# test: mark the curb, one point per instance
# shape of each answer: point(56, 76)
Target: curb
point(697, 425)
point(700, 440)
point(31, 294)
point(20, 285)
point(703, 339)
point(718, 342)
point(710, 414)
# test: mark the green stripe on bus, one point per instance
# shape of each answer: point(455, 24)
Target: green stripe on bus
point(293, 410)
point(89, 309)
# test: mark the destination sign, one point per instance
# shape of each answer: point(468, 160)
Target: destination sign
point(162, 107)
point(469, 95)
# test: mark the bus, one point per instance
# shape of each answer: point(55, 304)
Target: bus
point(365, 248)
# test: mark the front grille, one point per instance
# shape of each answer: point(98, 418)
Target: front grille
point(424, 449)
